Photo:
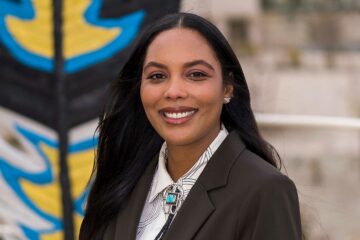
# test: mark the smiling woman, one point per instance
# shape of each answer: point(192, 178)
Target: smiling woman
point(180, 155)
point(183, 95)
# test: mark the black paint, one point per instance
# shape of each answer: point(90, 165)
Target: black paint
point(61, 123)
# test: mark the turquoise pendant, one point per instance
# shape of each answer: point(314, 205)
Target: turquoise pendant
point(172, 198)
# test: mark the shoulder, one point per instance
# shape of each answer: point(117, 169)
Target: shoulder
point(256, 194)
point(266, 199)
point(253, 175)
point(239, 173)
point(241, 168)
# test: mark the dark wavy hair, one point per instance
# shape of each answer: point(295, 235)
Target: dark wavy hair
point(127, 141)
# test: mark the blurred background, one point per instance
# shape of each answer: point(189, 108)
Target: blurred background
point(302, 63)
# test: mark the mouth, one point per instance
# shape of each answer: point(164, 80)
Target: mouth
point(178, 115)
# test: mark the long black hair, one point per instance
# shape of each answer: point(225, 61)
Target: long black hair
point(127, 141)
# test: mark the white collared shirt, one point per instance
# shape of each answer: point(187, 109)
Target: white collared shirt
point(153, 216)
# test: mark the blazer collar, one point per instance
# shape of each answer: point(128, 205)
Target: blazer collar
point(129, 217)
point(198, 206)
point(223, 159)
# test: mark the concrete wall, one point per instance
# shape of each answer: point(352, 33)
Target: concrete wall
point(287, 74)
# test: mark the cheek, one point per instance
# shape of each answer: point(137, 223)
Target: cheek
point(148, 98)
point(212, 96)
point(146, 104)
point(212, 103)
point(144, 95)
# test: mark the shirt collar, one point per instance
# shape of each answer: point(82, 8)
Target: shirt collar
point(162, 178)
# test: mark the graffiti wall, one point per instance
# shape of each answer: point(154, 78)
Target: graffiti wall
point(29, 181)
point(56, 59)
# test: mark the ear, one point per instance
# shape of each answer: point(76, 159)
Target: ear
point(228, 91)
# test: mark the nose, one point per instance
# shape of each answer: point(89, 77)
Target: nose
point(176, 89)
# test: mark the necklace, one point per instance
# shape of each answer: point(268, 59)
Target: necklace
point(173, 197)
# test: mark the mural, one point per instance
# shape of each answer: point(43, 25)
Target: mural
point(29, 180)
point(52, 86)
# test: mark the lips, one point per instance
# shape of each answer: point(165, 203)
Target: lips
point(177, 115)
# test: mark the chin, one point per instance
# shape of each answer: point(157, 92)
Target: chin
point(178, 139)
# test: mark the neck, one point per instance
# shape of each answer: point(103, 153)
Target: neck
point(182, 158)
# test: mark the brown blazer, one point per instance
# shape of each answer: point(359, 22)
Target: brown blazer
point(237, 196)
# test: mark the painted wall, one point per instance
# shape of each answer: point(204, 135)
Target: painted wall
point(57, 58)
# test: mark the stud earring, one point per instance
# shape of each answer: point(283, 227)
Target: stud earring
point(227, 100)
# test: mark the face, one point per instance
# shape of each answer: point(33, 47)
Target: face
point(182, 89)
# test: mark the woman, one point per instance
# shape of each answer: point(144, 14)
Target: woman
point(180, 155)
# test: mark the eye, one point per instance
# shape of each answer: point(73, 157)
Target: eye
point(197, 75)
point(156, 76)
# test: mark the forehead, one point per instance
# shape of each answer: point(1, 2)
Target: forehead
point(180, 44)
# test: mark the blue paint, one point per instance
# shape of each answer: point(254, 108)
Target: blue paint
point(29, 233)
point(130, 26)
point(84, 145)
point(79, 203)
point(12, 176)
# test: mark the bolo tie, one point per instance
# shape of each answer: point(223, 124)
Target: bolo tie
point(173, 196)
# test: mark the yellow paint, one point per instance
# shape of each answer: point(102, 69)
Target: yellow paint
point(46, 197)
point(35, 35)
point(77, 223)
point(53, 236)
point(80, 168)
point(79, 36)
point(80, 165)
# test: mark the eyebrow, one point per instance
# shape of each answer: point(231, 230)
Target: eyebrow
point(201, 62)
point(154, 64)
point(188, 64)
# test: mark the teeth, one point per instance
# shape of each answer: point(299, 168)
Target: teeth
point(178, 115)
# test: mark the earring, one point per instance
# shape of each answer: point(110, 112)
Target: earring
point(227, 100)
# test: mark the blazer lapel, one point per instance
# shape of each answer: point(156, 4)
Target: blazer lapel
point(198, 206)
point(128, 218)
point(196, 209)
